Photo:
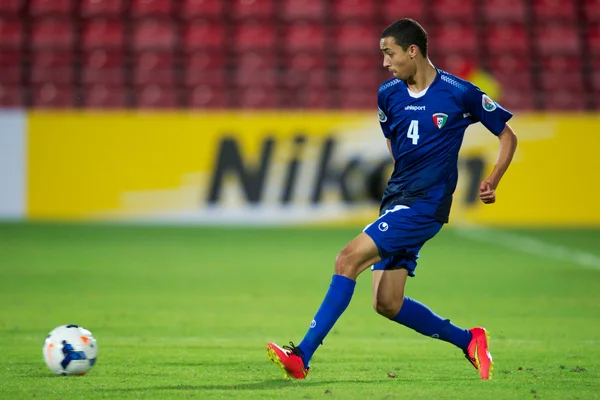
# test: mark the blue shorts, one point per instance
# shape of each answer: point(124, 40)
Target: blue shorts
point(399, 234)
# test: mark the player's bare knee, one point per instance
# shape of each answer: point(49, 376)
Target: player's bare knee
point(388, 308)
point(345, 264)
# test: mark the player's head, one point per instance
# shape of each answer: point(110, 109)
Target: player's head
point(404, 44)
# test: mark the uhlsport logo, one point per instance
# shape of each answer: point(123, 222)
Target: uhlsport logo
point(313, 323)
point(487, 103)
point(381, 115)
point(383, 226)
point(415, 108)
point(439, 119)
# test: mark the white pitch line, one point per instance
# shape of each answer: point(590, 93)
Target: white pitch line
point(531, 245)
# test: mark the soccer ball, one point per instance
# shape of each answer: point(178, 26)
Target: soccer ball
point(70, 350)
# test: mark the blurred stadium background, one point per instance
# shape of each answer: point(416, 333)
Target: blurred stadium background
point(199, 110)
point(257, 54)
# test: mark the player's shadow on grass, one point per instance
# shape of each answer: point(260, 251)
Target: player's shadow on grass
point(263, 385)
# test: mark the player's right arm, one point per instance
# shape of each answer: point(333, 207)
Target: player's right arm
point(508, 146)
point(495, 118)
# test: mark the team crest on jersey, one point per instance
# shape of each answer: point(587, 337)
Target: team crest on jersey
point(439, 119)
point(487, 103)
point(381, 115)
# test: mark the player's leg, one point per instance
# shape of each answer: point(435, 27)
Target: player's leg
point(388, 294)
point(356, 256)
point(390, 302)
point(403, 239)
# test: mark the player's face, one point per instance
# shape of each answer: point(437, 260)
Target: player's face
point(396, 60)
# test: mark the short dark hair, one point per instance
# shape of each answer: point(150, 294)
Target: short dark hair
point(407, 32)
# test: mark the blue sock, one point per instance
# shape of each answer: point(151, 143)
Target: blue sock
point(336, 300)
point(419, 317)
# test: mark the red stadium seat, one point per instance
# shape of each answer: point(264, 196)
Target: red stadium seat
point(354, 9)
point(45, 7)
point(304, 36)
point(504, 10)
point(202, 34)
point(350, 61)
point(258, 97)
point(93, 8)
point(518, 80)
point(506, 37)
point(396, 9)
point(565, 100)
point(252, 35)
point(11, 96)
point(304, 61)
point(101, 96)
point(558, 73)
point(545, 10)
point(11, 33)
point(591, 10)
point(50, 95)
point(507, 63)
point(52, 33)
point(103, 33)
point(303, 9)
point(596, 74)
point(457, 64)
point(454, 38)
point(146, 8)
point(357, 99)
point(193, 9)
point(304, 70)
point(52, 66)
point(307, 98)
point(154, 67)
point(551, 81)
point(557, 39)
point(453, 10)
point(314, 78)
point(10, 67)
point(515, 99)
point(207, 96)
point(595, 78)
point(255, 68)
point(359, 72)
point(358, 79)
point(356, 37)
point(205, 68)
point(156, 96)
point(561, 64)
point(154, 34)
point(593, 39)
point(103, 67)
point(10, 7)
point(243, 9)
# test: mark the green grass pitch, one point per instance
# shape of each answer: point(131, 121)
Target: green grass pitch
point(184, 312)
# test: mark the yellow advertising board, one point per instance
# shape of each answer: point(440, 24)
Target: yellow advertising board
point(291, 168)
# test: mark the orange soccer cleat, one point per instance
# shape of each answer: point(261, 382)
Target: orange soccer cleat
point(478, 352)
point(288, 358)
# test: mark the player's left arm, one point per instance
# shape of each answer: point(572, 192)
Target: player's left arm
point(508, 146)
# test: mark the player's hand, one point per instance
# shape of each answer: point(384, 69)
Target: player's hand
point(486, 193)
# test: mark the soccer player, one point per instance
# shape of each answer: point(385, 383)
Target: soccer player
point(423, 112)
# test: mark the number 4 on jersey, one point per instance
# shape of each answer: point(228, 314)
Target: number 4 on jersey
point(413, 131)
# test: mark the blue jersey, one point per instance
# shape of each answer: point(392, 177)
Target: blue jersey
point(426, 131)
